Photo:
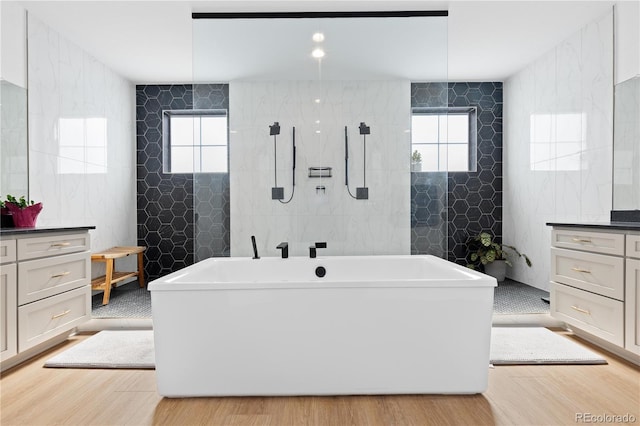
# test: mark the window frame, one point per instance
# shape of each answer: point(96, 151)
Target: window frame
point(472, 145)
point(166, 136)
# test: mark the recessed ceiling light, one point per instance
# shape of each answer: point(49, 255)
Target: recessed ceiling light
point(317, 53)
point(317, 121)
point(317, 131)
point(318, 37)
point(317, 100)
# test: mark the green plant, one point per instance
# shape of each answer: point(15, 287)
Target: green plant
point(484, 250)
point(21, 202)
point(416, 157)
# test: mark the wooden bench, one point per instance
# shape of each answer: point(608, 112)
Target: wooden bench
point(112, 277)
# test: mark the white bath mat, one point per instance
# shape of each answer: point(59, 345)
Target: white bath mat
point(537, 345)
point(109, 349)
point(509, 345)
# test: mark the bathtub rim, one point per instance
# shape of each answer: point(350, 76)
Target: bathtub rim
point(472, 278)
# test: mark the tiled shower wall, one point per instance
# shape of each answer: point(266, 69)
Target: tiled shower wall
point(461, 204)
point(165, 205)
point(321, 209)
point(473, 199)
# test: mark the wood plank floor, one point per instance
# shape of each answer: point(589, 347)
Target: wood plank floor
point(517, 395)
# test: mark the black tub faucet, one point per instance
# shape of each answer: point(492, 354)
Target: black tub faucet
point(285, 249)
point(312, 249)
point(255, 249)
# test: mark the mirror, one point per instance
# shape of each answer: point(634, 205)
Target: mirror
point(14, 166)
point(626, 146)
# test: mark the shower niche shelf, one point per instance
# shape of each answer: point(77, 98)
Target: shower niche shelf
point(320, 172)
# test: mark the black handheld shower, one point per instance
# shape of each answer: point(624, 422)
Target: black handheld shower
point(362, 193)
point(277, 192)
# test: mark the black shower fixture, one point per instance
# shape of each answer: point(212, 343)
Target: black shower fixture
point(362, 193)
point(274, 129)
point(277, 192)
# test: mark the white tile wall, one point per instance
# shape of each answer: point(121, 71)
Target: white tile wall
point(379, 225)
point(77, 186)
point(558, 144)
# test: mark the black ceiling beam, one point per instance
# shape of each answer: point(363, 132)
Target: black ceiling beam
point(303, 15)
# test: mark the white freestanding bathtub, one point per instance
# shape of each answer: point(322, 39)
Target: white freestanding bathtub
point(371, 325)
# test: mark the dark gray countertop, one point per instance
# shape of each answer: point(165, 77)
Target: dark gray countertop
point(627, 226)
point(43, 229)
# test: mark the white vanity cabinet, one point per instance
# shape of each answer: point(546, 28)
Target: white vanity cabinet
point(595, 285)
point(46, 289)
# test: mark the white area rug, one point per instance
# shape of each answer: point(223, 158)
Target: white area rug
point(109, 349)
point(537, 345)
point(509, 345)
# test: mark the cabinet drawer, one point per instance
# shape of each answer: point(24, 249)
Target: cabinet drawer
point(7, 251)
point(46, 277)
point(633, 246)
point(597, 242)
point(592, 272)
point(44, 319)
point(51, 245)
point(598, 315)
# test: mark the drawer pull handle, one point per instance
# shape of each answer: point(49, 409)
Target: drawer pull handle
point(584, 311)
point(581, 240)
point(586, 271)
point(60, 244)
point(61, 314)
point(62, 274)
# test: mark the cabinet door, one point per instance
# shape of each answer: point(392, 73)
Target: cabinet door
point(631, 306)
point(633, 246)
point(7, 251)
point(8, 311)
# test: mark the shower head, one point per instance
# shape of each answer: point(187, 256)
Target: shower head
point(274, 129)
point(364, 129)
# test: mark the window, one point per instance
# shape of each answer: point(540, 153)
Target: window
point(195, 141)
point(445, 138)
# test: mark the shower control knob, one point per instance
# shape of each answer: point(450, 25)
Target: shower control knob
point(321, 271)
